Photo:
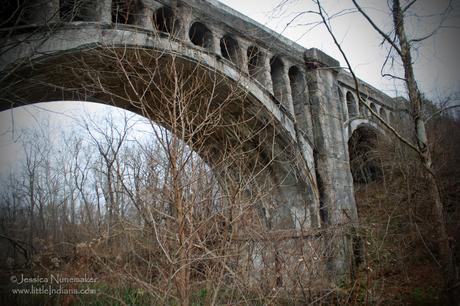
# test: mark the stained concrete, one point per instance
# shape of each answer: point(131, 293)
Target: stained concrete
point(318, 131)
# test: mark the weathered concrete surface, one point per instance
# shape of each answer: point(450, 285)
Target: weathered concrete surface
point(301, 91)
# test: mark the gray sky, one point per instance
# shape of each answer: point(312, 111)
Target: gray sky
point(436, 60)
point(54, 119)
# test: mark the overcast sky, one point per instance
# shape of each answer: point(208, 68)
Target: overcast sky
point(436, 60)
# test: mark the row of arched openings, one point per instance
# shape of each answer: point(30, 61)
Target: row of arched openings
point(165, 21)
point(122, 12)
point(353, 110)
point(200, 35)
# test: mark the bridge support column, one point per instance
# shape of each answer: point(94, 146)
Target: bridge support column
point(243, 57)
point(103, 11)
point(185, 16)
point(289, 104)
point(338, 208)
point(307, 118)
point(266, 75)
point(144, 16)
point(216, 35)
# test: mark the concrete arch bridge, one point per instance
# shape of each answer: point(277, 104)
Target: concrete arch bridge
point(285, 112)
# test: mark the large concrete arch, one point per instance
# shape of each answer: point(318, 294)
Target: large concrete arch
point(52, 77)
point(286, 95)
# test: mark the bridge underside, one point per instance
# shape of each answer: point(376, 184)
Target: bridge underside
point(245, 108)
point(220, 120)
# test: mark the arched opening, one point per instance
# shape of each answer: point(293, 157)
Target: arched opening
point(351, 105)
point(72, 10)
point(298, 88)
point(15, 13)
point(364, 164)
point(200, 35)
point(256, 63)
point(383, 114)
point(392, 118)
point(374, 108)
point(165, 20)
point(219, 121)
point(278, 81)
point(123, 11)
point(230, 49)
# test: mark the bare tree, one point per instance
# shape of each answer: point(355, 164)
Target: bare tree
point(199, 208)
point(109, 140)
point(402, 46)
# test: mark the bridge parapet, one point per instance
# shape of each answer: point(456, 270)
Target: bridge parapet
point(276, 63)
point(254, 49)
point(211, 25)
point(259, 61)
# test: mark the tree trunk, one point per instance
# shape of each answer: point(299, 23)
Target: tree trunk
point(31, 211)
point(415, 97)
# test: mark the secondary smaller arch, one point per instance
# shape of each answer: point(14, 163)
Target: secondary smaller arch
point(364, 163)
